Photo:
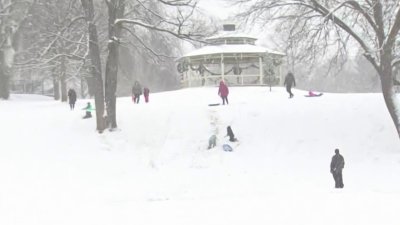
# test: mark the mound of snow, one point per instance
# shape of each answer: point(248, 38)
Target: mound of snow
point(156, 169)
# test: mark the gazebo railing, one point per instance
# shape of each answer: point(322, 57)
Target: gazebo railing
point(242, 79)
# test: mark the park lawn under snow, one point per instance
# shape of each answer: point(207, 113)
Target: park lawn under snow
point(55, 169)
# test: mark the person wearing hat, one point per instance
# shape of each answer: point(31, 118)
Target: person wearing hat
point(337, 165)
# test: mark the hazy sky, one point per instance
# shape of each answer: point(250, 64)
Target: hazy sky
point(218, 8)
point(222, 9)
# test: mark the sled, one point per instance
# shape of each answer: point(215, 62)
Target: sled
point(91, 110)
point(214, 104)
point(227, 148)
point(317, 95)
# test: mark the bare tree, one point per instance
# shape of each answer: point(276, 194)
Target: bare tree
point(54, 44)
point(317, 28)
point(132, 17)
point(147, 55)
point(176, 23)
point(116, 9)
point(94, 54)
point(13, 14)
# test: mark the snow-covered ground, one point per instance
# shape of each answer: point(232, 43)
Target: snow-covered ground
point(56, 170)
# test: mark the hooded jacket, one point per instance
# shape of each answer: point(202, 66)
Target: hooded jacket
point(223, 90)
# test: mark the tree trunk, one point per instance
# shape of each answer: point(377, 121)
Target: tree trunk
point(111, 83)
point(9, 38)
point(56, 87)
point(4, 81)
point(386, 76)
point(63, 82)
point(82, 84)
point(115, 11)
point(6, 61)
point(94, 53)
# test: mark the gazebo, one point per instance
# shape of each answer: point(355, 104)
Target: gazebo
point(233, 57)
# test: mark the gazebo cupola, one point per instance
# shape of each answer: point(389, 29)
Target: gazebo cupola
point(231, 56)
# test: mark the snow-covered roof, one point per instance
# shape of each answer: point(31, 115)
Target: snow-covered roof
point(230, 34)
point(219, 49)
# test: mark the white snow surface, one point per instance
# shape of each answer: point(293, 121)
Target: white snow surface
point(231, 34)
point(55, 169)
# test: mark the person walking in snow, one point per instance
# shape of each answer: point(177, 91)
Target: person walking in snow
point(337, 165)
point(289, 82)
point(71, 98)
point(146, 93)
point(223, 91)
point(88, 109)
point(136, 92)
point(230, 134)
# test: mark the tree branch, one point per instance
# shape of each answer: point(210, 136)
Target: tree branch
point(394, 30)
point(144, 44)
point(324, 11)
point(185, 36)
point(60, 33)
point(178, 2)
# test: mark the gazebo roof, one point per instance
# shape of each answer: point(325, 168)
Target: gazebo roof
point(223, 49)
point(230, 34)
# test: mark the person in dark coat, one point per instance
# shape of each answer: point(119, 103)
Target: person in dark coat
point(146, 93)
point(289, 82)
point(223, 91)
point(136, 92)
point(230, 134)
point(337, 165)
point(71, 98)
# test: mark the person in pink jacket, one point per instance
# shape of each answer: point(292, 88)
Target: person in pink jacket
point(223, 91)
point(146, 92)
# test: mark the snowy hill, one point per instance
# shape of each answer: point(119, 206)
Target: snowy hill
point(55, 169)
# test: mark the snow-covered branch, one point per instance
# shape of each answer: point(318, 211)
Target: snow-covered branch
point(359, 8)
point(59, 35)
point(144, 45)
point(395, 61)
point(178, 33)
point(394, 30)
point(157, 15)
point(324, 11)
point(77, 73)
point(189, 3)
point(67, 39)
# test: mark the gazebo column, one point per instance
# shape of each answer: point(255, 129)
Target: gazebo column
point(261, 69)
point(189, 74)
point(241, 74)
point(280, 74)
point(222, 68)
point(205, 75)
